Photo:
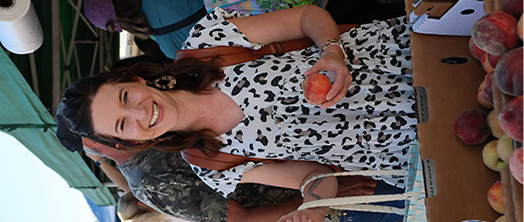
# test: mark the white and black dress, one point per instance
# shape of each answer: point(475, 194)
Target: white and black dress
point(370, 128)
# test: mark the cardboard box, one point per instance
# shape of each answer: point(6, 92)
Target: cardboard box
point(450, 77)
point(451, 17)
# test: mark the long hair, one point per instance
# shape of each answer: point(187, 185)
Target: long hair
point(131, 17)
point(191, 74)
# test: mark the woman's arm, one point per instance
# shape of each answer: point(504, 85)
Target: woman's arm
point(292, 174)
point(304, 21)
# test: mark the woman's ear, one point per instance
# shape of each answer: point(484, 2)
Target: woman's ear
point(89, 142)
point(140, 80)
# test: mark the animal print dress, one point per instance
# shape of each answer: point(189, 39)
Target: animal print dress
point(368, 129)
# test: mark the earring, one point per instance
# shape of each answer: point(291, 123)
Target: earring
point(163, 82)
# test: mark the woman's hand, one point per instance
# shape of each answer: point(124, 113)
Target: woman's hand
point(307, 215)
point(333, 63)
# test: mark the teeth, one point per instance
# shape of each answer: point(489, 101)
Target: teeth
point(155, 115)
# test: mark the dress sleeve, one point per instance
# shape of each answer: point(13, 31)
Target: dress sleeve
point(214, 30)
point(224, 182)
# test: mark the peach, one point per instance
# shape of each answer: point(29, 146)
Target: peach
point(495, 32)
point(491, 158)
point(316, 86)
point(494, 60)
point(505, 148)
point(486, 65)
point(512, 6)
point(516, 164)
point(508, 73)
point(494, 125)
point(501, 219)
point(472, 127)
point(495, 199)
point(510, 119)
point(475, 51)
point(485, 93)
point(520, 26)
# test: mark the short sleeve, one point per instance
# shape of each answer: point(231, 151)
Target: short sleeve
point(224, 182)
point(214, 30)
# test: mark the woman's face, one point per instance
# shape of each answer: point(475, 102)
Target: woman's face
point(132, 111)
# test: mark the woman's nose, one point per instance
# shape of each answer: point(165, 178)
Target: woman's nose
point(137, 112)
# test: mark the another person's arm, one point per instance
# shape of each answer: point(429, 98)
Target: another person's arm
point(112, 172)
point(305, 21)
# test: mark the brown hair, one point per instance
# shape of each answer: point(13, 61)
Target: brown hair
point(191, 75)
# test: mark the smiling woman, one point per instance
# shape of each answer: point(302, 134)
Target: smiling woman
point(258, 108)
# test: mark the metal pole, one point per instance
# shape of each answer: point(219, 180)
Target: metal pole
point(55, 18)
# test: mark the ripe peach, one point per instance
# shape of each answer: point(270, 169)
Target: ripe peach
point(495, 32)
point(486, 65)
point(510, 119)
point(316, 86)
point(501, 219)
point(491, 158)
point(485, 93)
point(520, 26)
point(512, 6)
point(494, 60)
point(472, 127)
point(508, 73)
point(495, 199)
point(505, 148)
point(493, 122)
point(516, 164)
point(475, 51)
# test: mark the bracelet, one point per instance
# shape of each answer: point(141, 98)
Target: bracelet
point(331, 42)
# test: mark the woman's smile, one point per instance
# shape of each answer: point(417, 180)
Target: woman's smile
point(132, 111)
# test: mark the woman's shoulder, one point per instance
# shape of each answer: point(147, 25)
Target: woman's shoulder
point(215, 30)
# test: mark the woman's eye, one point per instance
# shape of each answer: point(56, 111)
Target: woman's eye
point(125, 98)
point(122, 124)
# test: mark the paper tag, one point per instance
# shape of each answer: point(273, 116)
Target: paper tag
point(430, 178)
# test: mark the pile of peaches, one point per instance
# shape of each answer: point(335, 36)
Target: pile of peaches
point(496, 40)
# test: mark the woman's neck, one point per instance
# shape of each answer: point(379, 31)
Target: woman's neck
point(212, 110)
point(194, 109)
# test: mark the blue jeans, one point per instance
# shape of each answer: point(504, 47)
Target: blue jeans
point(359, 216)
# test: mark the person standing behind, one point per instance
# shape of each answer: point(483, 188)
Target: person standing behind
point(144, 18)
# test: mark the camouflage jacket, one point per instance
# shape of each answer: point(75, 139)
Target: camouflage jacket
point(166, 182)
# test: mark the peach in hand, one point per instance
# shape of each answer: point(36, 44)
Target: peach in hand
point(510, 119)
point(316, 86)
point(495, 198)
point(508, 73)
point(496, 32)
point(516, 164)
point(472, 127)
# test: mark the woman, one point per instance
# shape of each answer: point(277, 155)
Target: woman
point(258, 109)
